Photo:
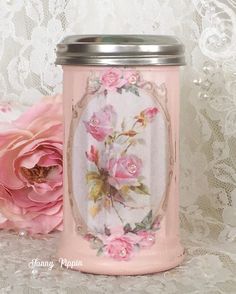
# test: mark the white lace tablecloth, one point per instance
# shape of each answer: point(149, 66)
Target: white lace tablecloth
point(208, 268)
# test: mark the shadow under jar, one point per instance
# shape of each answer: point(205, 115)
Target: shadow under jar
point(121, 156)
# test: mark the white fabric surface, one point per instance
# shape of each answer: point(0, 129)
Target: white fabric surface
point(29, 31)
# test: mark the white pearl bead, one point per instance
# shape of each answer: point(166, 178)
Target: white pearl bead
point(123, 252)
point(23, 233)
point(224, 40)
point(34, 272)
point(203, 95)
point(212, 9)
point(208, 68)
point(197, 82)
point(132, 168)
point(150, 238)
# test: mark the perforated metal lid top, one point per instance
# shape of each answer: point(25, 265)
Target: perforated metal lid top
point(120, 50)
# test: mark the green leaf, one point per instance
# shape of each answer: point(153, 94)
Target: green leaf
point(139, 226)
point(145, 224)
point(134, 90)
point(100, 251)
point(95, 192)
point(92, 175)
point(127, 228)
point(141, 189)
point(119, 90)
point(96, 243)
point(127, 87)
point(147, 219)
point(125, 191)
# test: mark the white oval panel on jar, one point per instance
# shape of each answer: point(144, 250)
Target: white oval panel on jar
point(132, 181)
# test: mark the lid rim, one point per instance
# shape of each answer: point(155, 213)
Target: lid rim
point(120, 50)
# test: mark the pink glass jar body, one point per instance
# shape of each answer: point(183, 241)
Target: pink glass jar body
point(121, 169)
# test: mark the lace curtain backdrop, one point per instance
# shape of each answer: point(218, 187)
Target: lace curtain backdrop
point(29, 32)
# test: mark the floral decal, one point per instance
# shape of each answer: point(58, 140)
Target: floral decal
point(116, 80)
point(121, 243)
point(115, 173)
point(100, 124)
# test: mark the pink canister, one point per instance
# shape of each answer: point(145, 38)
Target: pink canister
point(121, 153)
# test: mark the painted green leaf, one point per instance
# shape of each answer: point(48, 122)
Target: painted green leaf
point(139, 226)
point(96, 243)
point(100, 251)
point(145, 224)
point(92, 175)
point(119, 90)
point(147, 219)
point(125, 190)
point(134, 90)
point(127, 87)
point(127, 228)
point(141, 189)
point(95, 192)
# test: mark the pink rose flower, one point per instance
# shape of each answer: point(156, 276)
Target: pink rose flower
point(31, 161)
point(112, 79)
point(119, 247)
point(132, 77)
point(147, 239)
point(93, 155)
point(124, 170)
point(101, 123)
point(149, 113)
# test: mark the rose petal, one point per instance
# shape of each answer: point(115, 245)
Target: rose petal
point(42, 110)
point(46, 197)
point(29, 161)
point(8, 176)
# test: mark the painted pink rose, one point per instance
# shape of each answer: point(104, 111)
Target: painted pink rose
point(124, 170)
point(92, 155)
point(31, 161)
point(132, 77)
point(112, 79)
point(101, 123)
point(149, 113)
point(147, 239)
point(119, 247)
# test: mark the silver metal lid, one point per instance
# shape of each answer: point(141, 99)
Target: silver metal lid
point(120, 50)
